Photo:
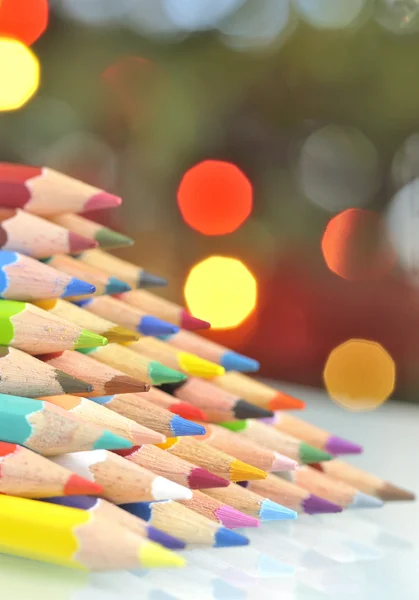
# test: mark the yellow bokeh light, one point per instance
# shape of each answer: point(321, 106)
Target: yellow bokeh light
point(359, 374)
point(19, 74)
point(221, 290)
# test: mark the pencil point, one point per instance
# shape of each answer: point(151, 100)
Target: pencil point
point(163, 538)
point(246, 410)
point(147, 280)
point(160, 374)
point(165, 489)
point(392, 493)
point(77, 287)
point(232, 361)
point(107, 238)
point(225, 538)
point(192, 323)
point(116, 286)
point(77, 243)
point(120, 335)
point(88, 339)
point(124, 384)
point(201, 479)
point(285, 402)
point(152, 555)
point(181, 426)
point(309, 454)
point(102, 200)
point(314, 505)
point(111, 441)
point(70, 384)
point(362, 500)
point(283, 463)
point(199, 367)
point(188, 411)
point(77, 486)
point(150, 325)
point(336, 446)
point(232, 518)
point(272, 511)
point(241, 471)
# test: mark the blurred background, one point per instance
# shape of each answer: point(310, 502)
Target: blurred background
point(267, 152)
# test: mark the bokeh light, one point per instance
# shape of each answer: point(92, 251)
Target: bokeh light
point(95, 12)
point(221, 290)
point(191, 15)
point(215, 197)
point(405, 165)
point(402, 220)
point(337, 167)
point(24, 20)
point(398, 16)
point(19, 74)
point(359, 374)
point(149, 18)
point(355, 245)
point(330, 14)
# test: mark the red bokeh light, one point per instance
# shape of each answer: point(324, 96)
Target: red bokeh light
point(215, 197)
point(355, 245)
point(24, 20)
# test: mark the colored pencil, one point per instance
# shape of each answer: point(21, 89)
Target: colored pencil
point(365, 482)
point(213, 460)
point(186, 524)
point(101, 235)
point(187, 363)
point(111, 512)
point(218, 511)
point(177, 407)
point(135, 276)
point(164, 309)
point(51, 430)
point(331, 489)
point(33, 330)
point(134, 364)
point(26, 474)
point(315, 436)
point(257, 392)
point(88, 410)
point(74, 538)
point(104, 283)
point(25, 375)
point(218, 405)
point(252, 504)
point(66, 310)
point(249, 452)
point(137, 408)
point(24, 278)
point(216, 353)
point(43, 191)
point(170, 466)
point(103, 380)
point(33, 236)
point(122, 480)
point(291, 496)
point(268, 437)
point(127, 316)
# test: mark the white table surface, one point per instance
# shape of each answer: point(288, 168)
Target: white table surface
point(371, 555)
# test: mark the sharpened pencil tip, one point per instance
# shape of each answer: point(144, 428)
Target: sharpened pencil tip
point(233, 519)
point(336, 446)
point(272, 511)
point(246, 410)
point(188, 411)
point(147, 280)
point(150, 325)
point(165, 489)
point(77, 486)
point(120, 335)
point(102, 200)
point(196, 366)
point(107, 238)
point(72, 385)
point(77, 243)
point(77, 287)
point(192, 323)
point(111, 441)
point(241, 471)
point(283, 463)
point(285, 402)
point(154, 555)
point(362, 500)
point(232, 361)
point(225, 538)
point(116, 286)
point(200, 479)
point(181, 426)
point(309, 454)
point(314, 505)
point(160, 374)
point(163, 538)
point(88, 339)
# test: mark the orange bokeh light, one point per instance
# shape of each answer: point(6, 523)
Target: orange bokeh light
point(355, 245)
point(215, 197)
point(24, 20)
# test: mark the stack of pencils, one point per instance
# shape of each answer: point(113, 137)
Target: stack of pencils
point(124, 435)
